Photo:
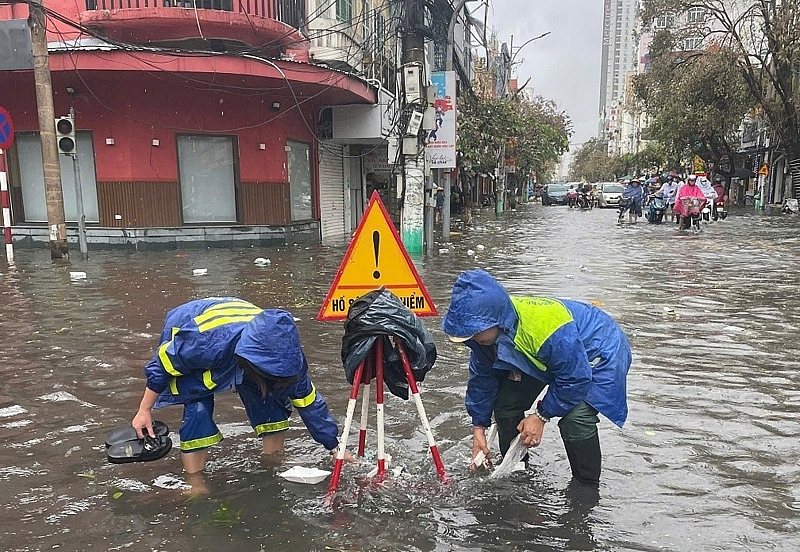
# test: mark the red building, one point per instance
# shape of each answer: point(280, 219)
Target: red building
point(196, 121)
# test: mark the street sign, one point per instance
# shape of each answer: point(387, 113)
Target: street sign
point(763, 170)
point(376, 258)
point(6, 129)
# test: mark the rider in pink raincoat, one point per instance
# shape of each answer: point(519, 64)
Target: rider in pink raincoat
point(688, 190)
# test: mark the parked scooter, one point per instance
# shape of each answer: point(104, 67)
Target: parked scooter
point(656, 209)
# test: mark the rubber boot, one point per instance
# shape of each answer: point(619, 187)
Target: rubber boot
point(585, 459)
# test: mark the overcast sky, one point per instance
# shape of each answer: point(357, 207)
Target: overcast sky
point(563, 66)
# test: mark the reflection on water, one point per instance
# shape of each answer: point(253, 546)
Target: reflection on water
point(707, 461)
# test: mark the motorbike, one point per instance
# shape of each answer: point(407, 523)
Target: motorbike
point(585, 201)
point(694, 208)
point(656, 209)
point(625, 205)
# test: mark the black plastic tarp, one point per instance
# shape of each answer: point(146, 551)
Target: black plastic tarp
point(380, 314)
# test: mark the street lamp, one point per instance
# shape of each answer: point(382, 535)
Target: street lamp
point(514, 54)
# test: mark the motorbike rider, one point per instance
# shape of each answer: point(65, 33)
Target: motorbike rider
point(709, 192)
point(722, 197)
point(572, 196)
point(687, 191)
point(635, 192)
point(669, 191)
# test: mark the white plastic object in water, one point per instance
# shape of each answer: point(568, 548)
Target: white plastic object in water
point(374, 471)
point(309, 476)
point(200, 271)
point(77, 275)
point(261, 261)
point(480, 458)
point(514, 455)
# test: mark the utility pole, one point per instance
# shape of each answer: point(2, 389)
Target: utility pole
point(76, 168)
point(414, 79)
point(54, 196)
point(500, 193)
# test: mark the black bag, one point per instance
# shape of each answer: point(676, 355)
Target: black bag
point(380, 315)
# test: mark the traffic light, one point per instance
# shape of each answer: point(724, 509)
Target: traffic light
point(65, 135)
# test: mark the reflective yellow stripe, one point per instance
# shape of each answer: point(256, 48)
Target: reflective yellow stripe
point(207, 381)
point(175, 331)
point(234, 307)
point(173, 386)
point(271, 427)
point(226, 320)
point(539, 318)
point(307, 400)
point(194, 444)
point(165, 360)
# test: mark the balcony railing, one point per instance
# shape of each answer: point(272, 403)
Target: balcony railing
point(291, 12)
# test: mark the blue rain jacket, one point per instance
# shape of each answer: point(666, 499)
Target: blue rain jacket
point(577, 349)
point(195, 358)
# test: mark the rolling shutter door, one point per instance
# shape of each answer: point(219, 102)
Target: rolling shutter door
point(331, 190)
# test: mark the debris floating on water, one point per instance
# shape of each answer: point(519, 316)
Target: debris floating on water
point(200, 271)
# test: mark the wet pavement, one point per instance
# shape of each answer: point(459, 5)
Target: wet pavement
point(707, 461)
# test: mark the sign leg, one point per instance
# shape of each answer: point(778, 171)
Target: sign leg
point(378, 352)
point(412, 383)
point(351, 407)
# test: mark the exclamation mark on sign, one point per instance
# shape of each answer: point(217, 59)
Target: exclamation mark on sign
point(376, 244)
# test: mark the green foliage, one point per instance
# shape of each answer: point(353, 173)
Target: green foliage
point(695, 102)
point(755, 49)
point(534, 132)
point(591, 163)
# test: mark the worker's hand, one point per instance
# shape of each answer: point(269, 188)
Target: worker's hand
point(530, 430)
point(143, 423)
point(480, 446)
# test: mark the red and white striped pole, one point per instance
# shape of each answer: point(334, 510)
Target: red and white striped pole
point(377, 350)
point(366, 379)
point(412, 383)
point(351, 408)
point(6, 208)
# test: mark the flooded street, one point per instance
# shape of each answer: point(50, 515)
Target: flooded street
point(708, 460)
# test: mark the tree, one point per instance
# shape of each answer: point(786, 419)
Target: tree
point(591, 162)
point(534, 132)
point(695, 100)
point(764, 37)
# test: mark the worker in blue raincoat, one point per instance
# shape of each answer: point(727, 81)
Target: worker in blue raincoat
point(522, 345)
point(214, 345)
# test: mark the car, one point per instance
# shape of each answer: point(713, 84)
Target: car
point(554, 194)
point(609, 194)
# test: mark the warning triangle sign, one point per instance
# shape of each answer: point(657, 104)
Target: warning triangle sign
point(376, 257)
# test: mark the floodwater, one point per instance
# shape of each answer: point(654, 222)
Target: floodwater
point(708, 459)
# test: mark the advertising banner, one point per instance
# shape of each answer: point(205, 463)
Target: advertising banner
point(440, 144)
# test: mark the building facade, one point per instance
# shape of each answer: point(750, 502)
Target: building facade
point(196, 122)
point(619, 60)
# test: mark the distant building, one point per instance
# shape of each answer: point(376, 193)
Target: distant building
point(618, 60)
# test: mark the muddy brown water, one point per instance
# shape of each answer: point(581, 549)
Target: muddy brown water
point(708, 459)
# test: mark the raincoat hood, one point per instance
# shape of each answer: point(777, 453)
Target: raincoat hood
point(478, 303)
point(270, 341)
